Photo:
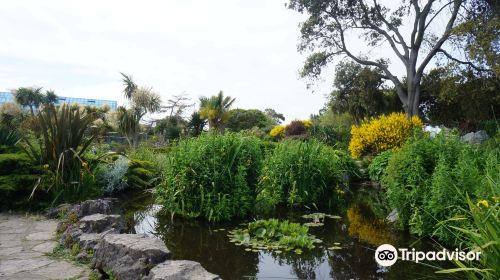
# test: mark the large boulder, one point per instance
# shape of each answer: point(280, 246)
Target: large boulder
point(98, 206)
point(129, 256)
point(93, 224)
point(98, 223)
point(180, 270)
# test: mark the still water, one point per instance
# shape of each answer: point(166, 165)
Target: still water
point(359, 232)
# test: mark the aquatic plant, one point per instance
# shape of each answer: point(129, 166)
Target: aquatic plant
point(274, 235)
point(317, 219)
point(303, 174)
point(213, 176)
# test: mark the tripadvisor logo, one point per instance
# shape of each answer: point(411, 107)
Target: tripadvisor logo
point(387, 255)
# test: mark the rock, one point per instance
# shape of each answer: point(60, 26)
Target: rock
point(393, 217)
point(98, 206)
point(82, 257)
point(89, 241)
point(98, 223)
point(129, 256)
point(57, 212)
point(180, 270)
point(475, 137)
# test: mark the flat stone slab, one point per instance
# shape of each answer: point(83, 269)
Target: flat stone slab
point(129, 256)
point(180, 270)
point(24, 243)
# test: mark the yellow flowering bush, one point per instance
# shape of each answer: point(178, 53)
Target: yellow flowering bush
point(278, 131)
point(381, 134)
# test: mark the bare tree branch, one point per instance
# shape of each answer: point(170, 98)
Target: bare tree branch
point(444, 37)
point(449, 56)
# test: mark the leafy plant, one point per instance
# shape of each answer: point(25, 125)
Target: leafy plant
point(376, 169)
point(9, 137)
point(482, 234)
point(423, 179)
point(381, 134)
point(212, 176)
point(304, 174)
point(274, 235)
point(63, 144)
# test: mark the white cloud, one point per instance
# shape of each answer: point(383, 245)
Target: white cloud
point(78, 48)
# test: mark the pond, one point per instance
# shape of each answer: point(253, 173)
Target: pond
point(359, 233)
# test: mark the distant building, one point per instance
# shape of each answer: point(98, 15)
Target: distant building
point(9, 97)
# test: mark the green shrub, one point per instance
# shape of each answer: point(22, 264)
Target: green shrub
point(303, 173)
point(212, 176)
point(18, 175)
point(423, 179)
point(376, 169)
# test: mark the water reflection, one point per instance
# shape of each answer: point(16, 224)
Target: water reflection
point(359, 233)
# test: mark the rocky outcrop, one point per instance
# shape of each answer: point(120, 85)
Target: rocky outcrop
point(129, 256)
point(475, 137)
point(180, 270)
point(98, 206)
point(98, 223)
point(93, 226)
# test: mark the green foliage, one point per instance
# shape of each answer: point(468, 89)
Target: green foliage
point(378, 166)
point(359, 91)
point(195, 124)
point(464, 99)
point(143, 100)
point(274, 235)
point(18, 175)
point(34, 97)
point(331, 128)
point(482, 233)
point(216, 110)
point(212, 176)
point(242, 119)
point(63, 144)
point(9, 137)
point(303, 173)
point(423, 179)
point(170, 127)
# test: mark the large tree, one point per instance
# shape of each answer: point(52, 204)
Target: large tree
point(331, 22)
point(359, 91)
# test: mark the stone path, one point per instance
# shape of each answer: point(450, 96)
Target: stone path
point(24, 243)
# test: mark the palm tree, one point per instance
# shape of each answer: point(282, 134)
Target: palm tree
point(50, 97)
point(216, 110)
point(196, 124)
point(129, 85)
point(29, 97)
point(143, 101)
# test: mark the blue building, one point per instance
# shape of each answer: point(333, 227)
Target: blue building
point(9, 97)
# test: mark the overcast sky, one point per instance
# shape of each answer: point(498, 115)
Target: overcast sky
point(77, 48)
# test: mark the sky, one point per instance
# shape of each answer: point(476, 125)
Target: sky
point(246, 48)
